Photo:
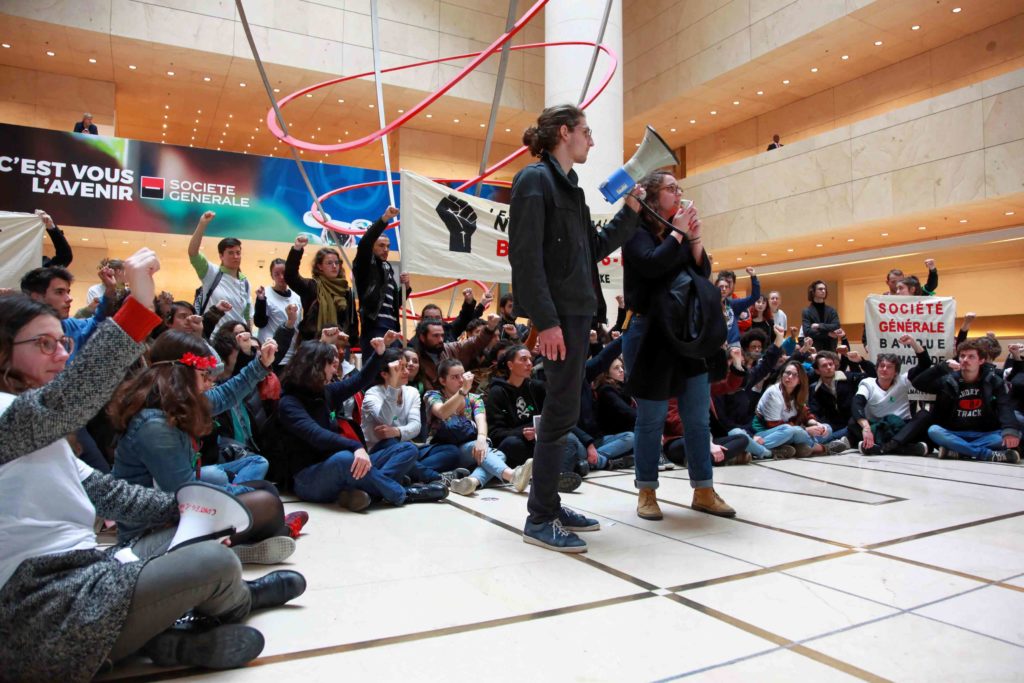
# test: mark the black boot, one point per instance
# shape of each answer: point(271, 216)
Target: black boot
point(426, 493)
point(222, 647)
point(276, 588)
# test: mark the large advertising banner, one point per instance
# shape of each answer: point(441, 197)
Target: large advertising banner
point(458, 235)
point(21, 247)
point(931, 320)
point(121, 184)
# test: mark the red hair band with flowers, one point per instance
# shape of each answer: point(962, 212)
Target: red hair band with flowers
point(193, 361)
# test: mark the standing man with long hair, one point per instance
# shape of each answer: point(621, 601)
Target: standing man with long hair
point(553, 249)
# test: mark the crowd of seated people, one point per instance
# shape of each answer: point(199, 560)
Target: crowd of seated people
point(259, 390)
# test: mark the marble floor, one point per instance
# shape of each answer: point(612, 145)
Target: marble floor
point(836, 568)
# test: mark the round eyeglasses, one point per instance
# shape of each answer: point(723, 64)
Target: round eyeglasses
point(48, 344)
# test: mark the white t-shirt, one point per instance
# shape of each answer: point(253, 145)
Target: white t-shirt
point(896, 401)
point(276, 317)
point(772, 406)
point(380, 407)
point(234, 290)
point(95, 292)
point(43, 506)
point(781, 320)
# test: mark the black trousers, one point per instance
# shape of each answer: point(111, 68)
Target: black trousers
point(517, 450)
point(560, 414)
point(733, 445)
point(915, 429)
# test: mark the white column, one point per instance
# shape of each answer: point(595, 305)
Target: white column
point(565, 69)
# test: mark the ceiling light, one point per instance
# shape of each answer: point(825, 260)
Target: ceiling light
point(878, 43)
point(845, 57)
point(309, 94)
point(207, 79)
point(401, 111)
point(885, 234)
point(277, 90)
point(132, 67)
point(124, 241)
point(165, 125)
point(850, 239)
point(227, 125)
point(819, 245)
point(716, 263)
point(672, 130)
point(713, 112)
point(483, 125)
point(790, 250)
point(92, 60)
point(6, 46)
point(915, 27)
point(197, 121)
point(764, 254)
point(170, 73)
point(241, 85)
point(455, 120)
point(164, 134)
point(1008, 213)
point(85, 239)
point(165, 116)
point(636, 144)
point(956, 10)
point(248, 145)
point(318, 128)
point(693, 120)
point(230, 116)
point(218, 149)
point(51, 53)
point(735, 102)
point(739, 258)
point(922, 227)
point(193, 137)
point(814, 69)
point(963, 220)
point(430, 116)
point(508, 130)
point(760, 92)
point(785, 82)
point(372, 106)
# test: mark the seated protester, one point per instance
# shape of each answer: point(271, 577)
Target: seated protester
point(832, 391)
point(69, 607)
point(99, 290)
point(327, 466)
point(454, 329)
point(225, 282)
point(775, 312)
point(517, 333)
point(736, 410)
point(819, 319)
point(391, 412)
point(761, 317)
point(164, 411)
point(243, 420)
point(783, 419)
point(52, 286)
point(182, 317)
point(881, 421)
point(1014, 373)
point(271, 310)
point(429, 344)
point(973, 415)
point(514, 399)
point(458, 417)
point(616, 415)
point(611, 446)
point(326, 297)
point(735, 308)
point(726, 449)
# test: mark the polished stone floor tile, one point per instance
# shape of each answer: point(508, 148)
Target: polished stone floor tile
point(994, 611)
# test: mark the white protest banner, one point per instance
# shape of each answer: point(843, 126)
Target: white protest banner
point(458, 235)
point(21, 246)
point(931, 320)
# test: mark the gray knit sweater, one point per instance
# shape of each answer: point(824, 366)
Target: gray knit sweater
point(61, 614)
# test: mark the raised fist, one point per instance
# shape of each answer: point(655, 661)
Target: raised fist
point(390, 213)
point(467, 295)
point(300, 243)
point(460, 219)
point(223, 305)
point(261, 292)
point(620, 300)
point(292, 313)
point(207, 216)
point(929, 263)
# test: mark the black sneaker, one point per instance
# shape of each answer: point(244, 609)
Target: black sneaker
point(626, 462)
point(569, 481)
point(947, 454)
point(426, 493)
point(1009, 455)
point(920, 449)
point(458, 473)
point(874, 450)
point(223, 647)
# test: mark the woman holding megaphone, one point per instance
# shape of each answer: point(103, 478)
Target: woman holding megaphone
point(66, 606)
point(668, 246)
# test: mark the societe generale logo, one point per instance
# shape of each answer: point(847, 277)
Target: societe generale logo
point(151, 187)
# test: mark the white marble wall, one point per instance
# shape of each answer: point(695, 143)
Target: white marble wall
point(330, 36)
point(963, 146)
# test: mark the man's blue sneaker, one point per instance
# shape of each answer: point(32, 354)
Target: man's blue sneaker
point(574, 521)
point(553, 536)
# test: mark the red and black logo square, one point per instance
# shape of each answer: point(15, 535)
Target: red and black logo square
point(152, 188)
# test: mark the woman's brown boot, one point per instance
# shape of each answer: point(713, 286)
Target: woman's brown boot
point(647, 505)
point(706, 500)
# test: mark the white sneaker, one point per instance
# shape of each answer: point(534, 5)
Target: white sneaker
point(268, 551)
point(521, 476)
point(465, 486)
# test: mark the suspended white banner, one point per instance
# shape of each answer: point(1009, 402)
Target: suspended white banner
point(458, 235)
point(21, 246)
point(931, 320)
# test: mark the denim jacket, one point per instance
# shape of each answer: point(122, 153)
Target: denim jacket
point(153, 453)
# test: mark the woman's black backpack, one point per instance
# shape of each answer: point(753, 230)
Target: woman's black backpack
point(694, 321)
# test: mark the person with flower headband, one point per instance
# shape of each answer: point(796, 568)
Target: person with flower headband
point(163, 413)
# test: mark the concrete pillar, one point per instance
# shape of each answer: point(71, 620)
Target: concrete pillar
point(565, 69)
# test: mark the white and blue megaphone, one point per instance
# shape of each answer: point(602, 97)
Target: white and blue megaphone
point(207, 512)
point(652, 154)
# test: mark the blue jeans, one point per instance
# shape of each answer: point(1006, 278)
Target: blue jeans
point(694, 410)
point(491, 467)
point(434, 459)
point(977, 445)
point(321, 483)
point(755, 449)
point(785, 434)
point(608, 448)
point(249, 468)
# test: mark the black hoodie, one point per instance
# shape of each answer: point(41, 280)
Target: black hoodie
point(511, 408)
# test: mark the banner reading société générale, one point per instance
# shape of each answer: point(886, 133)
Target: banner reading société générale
point(117, 183)
point(931, 320)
